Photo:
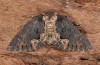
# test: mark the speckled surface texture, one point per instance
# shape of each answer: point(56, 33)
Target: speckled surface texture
point(14, 14)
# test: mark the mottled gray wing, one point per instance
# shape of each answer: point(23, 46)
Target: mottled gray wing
point(67, 30)
point(31, 30)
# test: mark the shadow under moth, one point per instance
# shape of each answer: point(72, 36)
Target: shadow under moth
point(49, 28)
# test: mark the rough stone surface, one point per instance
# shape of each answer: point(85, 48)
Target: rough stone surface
point(14, 14)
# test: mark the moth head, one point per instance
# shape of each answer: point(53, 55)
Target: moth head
point(49, 16)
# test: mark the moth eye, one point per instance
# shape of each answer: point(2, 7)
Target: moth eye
point(45, 18)
point(54, 17)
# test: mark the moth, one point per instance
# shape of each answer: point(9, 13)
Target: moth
point(49, 29)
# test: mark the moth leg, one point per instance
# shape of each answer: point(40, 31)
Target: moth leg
point(62, 44)
point(36, 44)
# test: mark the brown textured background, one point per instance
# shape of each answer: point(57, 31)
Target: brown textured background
point(15, 13)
